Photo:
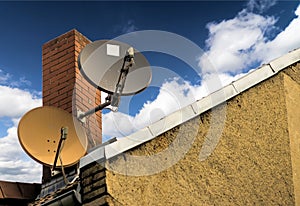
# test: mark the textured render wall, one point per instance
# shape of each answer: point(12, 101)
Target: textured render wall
point(293, 72)
point(293, 109)
point(251, 164)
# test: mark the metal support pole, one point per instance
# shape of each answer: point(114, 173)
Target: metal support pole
point(63, 137)
point(114, 99)
point(96, 109)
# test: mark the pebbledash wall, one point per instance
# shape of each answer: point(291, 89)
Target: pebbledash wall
point(251, 165)
point(256, 160)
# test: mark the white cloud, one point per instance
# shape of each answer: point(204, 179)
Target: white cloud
point(22, 81)
point(8, 80)
point(260, 5)
point(173, 95)
point(231, 42)
point(14, 164)
point(116, 124)
point(285, 41)
point(297, 12)
point(4, 77)
point(15, 102)
point(237, 44)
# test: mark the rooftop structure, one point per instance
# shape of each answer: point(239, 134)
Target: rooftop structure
point(239, 145)
point(16, 193)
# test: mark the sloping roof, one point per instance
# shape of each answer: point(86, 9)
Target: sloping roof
point(15, 192)
point(189, 112)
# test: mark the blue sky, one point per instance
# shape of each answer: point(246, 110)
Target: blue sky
point(235, 35)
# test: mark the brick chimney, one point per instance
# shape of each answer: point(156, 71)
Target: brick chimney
point(63, 85)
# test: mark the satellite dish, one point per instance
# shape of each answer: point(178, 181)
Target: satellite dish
point(100, 63)
point(39, 133)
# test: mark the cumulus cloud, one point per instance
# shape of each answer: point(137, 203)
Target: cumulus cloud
point(14, 164)
point(15, 102)
point(173, 95)
point(242, 42)
point(232, 43)
point(284, 42)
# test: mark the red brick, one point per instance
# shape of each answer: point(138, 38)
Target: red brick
point(58, 42)
point(58, 51)
point(61, 76)
point(59, 65)
point(60, 61)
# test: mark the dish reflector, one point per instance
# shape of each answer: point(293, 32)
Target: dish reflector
point(39, 132)
point(101, 61)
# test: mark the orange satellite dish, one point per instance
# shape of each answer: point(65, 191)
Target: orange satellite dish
point(39, 133)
